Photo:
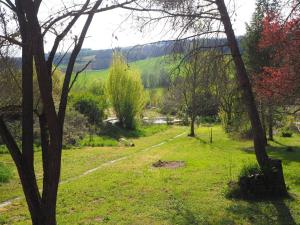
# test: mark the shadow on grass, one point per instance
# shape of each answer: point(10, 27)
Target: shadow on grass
point(201, 140)
point(255, 214)
point(283, 152)
point(290, 153)
point(181, 215)
point(284, 215)
point(117, 132)
point(253, 211)
point(277, 142)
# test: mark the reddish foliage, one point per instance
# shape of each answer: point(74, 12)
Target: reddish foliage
point(281, 82)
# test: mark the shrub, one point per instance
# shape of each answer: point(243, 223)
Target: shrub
point(207, 119)
point(75, 128)
point(5, 173)
point(286, 133)
point(91, 106)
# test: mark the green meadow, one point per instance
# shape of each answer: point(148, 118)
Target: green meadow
point(119, 185)
point(86, 78)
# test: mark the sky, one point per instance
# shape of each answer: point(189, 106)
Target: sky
point(108, 25)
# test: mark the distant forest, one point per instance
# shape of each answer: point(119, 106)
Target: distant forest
point(101, 59)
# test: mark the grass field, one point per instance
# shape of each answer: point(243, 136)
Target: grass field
point(90, 76)
point(155, 64)
point(130, 191)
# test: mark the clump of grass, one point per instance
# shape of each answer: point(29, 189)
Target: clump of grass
point(98, 141)
point(5, 173)
point(250, 169)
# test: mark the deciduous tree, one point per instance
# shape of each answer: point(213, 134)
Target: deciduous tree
point(126, 91)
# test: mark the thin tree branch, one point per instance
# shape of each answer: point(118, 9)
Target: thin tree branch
point(77, 73)
point(10, 143)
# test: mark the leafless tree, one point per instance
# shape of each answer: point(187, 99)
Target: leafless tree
point(193, 78)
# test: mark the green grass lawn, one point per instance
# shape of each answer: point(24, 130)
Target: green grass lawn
point(87, 78)
point(131, 191)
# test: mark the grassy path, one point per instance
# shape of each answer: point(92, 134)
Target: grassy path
point(79, 162)
point(108, 163)
point(131, 191)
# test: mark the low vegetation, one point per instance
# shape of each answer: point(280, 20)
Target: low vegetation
point(5, 173)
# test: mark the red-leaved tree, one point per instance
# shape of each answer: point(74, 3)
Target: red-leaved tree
point(280, 83)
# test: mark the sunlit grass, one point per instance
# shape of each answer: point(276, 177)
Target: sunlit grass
point(131, 191)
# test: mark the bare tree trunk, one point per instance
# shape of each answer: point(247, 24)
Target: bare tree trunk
point(245, 86)
point(271, 168)
point(270, 123)
point(26, 174)
point(263, 121)
point(192, 133)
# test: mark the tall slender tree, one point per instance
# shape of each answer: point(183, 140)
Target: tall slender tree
point(126, 92)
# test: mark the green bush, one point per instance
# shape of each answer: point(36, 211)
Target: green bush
point(207, 119)
point(98, 141)
point(287, 133)
point(5, 173)
point(91, 106)
point(75, 127)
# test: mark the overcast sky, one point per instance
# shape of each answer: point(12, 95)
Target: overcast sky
point(107, 24)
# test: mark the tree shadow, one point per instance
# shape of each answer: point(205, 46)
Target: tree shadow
point(283, 152)
point(286, 153)
point(201, 140)
point(116, 132)
point(252, 213)
point(284, 215)
point(277, 142)
point(182, 215)
point(255, 214)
